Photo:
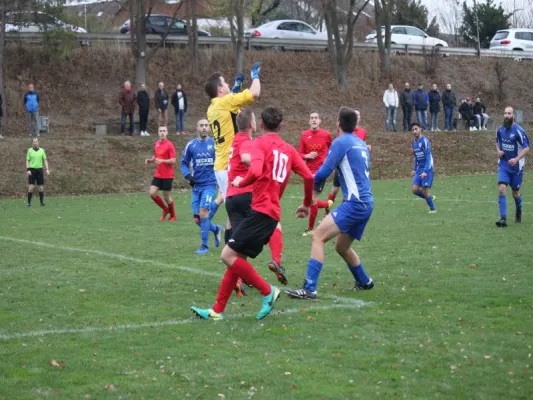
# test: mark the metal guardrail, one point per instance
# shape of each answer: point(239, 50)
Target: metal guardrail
point(265, 43)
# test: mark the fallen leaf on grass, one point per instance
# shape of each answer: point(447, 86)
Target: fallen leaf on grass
point(58, 364)
point(82, 290)
point(473, 266)
point(110, 388)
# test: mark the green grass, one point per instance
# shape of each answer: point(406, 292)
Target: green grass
point(450, 316)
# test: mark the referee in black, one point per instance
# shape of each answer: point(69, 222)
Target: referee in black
point(35, 159)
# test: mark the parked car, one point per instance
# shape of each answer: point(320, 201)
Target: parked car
point(513, 39)
point(158, 25)
point(286, 29)
point(34, 22)
point(407, 35)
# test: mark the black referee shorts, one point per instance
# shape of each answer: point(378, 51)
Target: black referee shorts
point(252, 234)
point(163, 184)
point(238, 208)
point(36, 177)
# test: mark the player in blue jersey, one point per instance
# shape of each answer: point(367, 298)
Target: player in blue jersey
point(197, 167)
point(512, 145)
point(350, 157)
point(422, 172)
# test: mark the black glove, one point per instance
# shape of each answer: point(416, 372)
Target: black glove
point(191, 180)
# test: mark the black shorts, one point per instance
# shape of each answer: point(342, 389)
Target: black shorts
point(36, 177)
point(336, 180)
point(163, 184)
point(252, 234)
point(238, 208)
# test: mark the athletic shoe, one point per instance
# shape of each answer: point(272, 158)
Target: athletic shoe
point(172, 219)
point(302, 294)
point(207, 313)
point(328, 208)
point(239, 289)
point(146, 133)
point(368, 286)
point(432, 212)
point(518, 216)
point(28, 205)
point(202, 250)
point(268, 302)
point(42, 204)
point(434, 198)
point(166, 212)
point(502, 223)
point(279, 271)
point(307, 232)
point(218, 235)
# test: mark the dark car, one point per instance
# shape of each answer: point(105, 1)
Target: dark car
point(158, 25)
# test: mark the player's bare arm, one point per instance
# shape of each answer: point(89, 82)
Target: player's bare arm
point(28, 167)
point(149, 160)
point(498, 150)
point(169, 161)
point(46, 167)
point(523, 153)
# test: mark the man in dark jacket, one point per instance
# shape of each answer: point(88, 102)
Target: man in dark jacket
point(143, 101)
point(434, 107)
point(480, 113)
point(407, 102)
point(421, 99)
point(179, 101)
point(467, 114)
point(161, 103)
point(449, 102)
point(31, 101)
point(1, 116)
point(127, 100)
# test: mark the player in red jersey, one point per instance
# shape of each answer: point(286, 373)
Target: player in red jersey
point(314, 147)
point(361, 133)
point(165, 158)
point(272, 161)
point(239, 200)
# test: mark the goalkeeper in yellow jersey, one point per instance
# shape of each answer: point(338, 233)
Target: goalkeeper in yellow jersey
point(221, 115)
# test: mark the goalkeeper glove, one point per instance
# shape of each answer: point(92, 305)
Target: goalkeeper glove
point(254, 72)
point(191, 179)
point(239, 80)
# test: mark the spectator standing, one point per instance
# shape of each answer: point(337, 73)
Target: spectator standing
point(421, 99)
point(480, 113)
point(143, 101)
point(407, 101)
point(434, 107)
point(179, 101)
point(127, 100)
point(390, 99)
point(31, 101)
point(449, 102)
point(1, 116)
point(161, 103)
point(467, 114)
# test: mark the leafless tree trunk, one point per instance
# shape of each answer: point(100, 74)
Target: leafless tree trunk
point(341, 48)
point(192, 33)
point(236, 21)
point(258, 12)
point(383, 11)
point(450, 15)
point(500, 68)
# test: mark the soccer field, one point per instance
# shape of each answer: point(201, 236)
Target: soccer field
point(96, 297)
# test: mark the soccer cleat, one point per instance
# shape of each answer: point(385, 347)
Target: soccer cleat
point(368, 286)
point(328, 208)
point(432, 212)
point(202, 250)
point(172, 219)
point(239, 289)
point(268, 302)
point(28, 205)
point(207, 313)
point(166, 212)
point(434, 198)
point(307, 232)
point(42, 204)
point(302, 294)
point(279, 271)
point(218, 235)
point(502, 223)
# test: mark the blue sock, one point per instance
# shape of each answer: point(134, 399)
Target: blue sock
point(204, 230)
point(213, 210)
point(212, 227)
point(518, 202)
point(313, 272)
point(420, 194)
point(503, 206)
point(431, 205)
point(359, 274)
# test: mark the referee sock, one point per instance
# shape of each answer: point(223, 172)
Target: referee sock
point(322, 204)
point(229, 280)
point(204, 230)
point(276, 245)
point(213, 210)
point(359, 274)
point(159, 201)
point(312, 217)
point(227, 235)
point(41, 197)
point(503, 206)
point(313, 272)
point(247, 273)
point(30, 195)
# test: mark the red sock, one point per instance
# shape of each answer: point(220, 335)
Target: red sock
point(159, 201)
point(331, 197)
point(172, 211)
point(229, 280)
point(322, 204)
point(247, 272)
point(312, 217)
point(276, 245)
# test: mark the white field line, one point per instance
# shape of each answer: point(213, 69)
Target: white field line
point(439, 199)
point(173, 322)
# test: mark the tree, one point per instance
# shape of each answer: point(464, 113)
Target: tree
point(258, 13)
point(236, 22)
point(491, 18)
point(192, 34)
point(383, 11)
point(410, 12)
point(341, 48)
point(450, 17)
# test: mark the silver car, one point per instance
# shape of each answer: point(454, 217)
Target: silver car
point(513, 39)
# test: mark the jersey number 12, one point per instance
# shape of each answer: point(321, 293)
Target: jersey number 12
point(279, 171)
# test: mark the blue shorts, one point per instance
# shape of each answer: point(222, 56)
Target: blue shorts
point(513, 179)
point(202, 197)
point(351, 217)
point(426, 182)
